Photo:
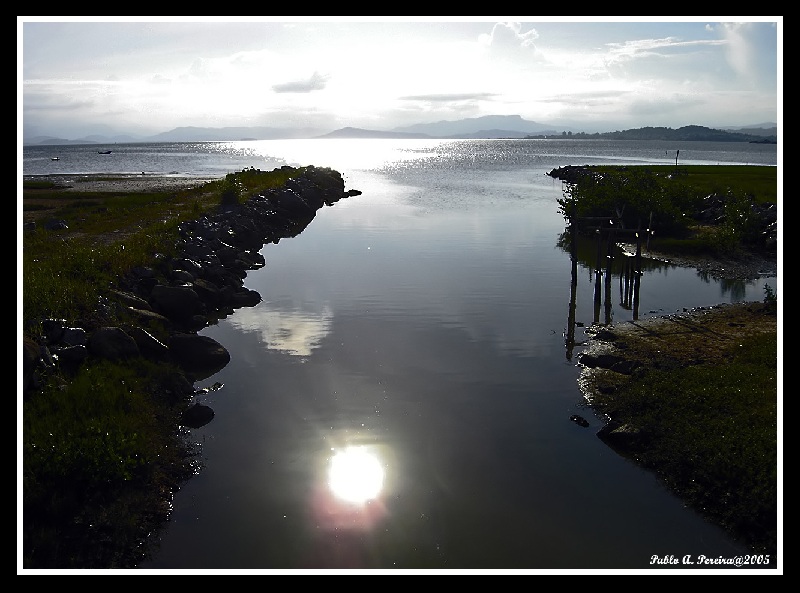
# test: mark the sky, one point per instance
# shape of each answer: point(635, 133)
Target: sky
point(146, 75)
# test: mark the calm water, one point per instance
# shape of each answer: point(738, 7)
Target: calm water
point(411, 350)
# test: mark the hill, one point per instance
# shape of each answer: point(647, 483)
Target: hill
point(685, 133)
point(493, 126)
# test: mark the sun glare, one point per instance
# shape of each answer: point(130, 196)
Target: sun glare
point(355, 475)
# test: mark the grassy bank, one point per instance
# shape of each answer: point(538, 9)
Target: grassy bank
point(702, 410)
point(709, 210)
point(101, 447)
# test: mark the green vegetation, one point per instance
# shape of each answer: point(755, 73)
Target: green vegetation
point(707, 425)
point(101, 446)
point(704, 403)
point(66, 272)
point(713, 210)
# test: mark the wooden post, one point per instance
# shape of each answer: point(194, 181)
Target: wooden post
point(570, 337)
point(573, 291)
point(622, 281)
point(637, 274)
point(573, 232)
point(599, 264)
point(598, 275)
point(609, 261)
point(627, 273)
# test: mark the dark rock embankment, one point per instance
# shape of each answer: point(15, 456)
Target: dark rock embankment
point(167, 303)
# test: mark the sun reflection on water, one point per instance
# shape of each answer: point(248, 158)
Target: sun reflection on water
point(355, 475)
point(351, 494)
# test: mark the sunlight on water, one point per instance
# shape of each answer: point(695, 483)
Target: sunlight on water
point(399, 156)
point(355, 475)
point(351, 497)
point(339, 154)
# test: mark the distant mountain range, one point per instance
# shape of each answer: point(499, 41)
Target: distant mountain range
point(686, 133)
point(490, 126)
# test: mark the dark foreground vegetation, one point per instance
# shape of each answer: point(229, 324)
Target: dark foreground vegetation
point(102, 447)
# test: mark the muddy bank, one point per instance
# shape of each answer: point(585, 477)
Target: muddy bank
point(743, 266)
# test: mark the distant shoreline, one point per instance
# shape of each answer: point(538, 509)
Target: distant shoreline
point(125, 182)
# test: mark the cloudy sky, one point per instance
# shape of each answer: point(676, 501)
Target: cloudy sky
point(145, 75)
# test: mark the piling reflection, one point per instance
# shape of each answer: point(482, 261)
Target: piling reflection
point(605, 257)
point(570, 337)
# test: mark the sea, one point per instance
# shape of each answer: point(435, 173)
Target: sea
point(402, 400)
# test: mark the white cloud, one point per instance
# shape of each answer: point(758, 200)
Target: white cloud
point(297, 333)
point(316, 82)
point(738, 49)
point(384, 74)
point(509, 35)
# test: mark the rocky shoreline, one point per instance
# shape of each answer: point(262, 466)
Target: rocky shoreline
point(184, 294)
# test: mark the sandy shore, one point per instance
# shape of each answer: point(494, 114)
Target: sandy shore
point(122, 182)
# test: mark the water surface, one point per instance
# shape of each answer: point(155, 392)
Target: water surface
point(425, 323)
point(401, 397)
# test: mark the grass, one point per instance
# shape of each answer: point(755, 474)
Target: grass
point(704, 407)
point(66, 272)
point(755, 180)
point(101, 447)
point(672, 200)
point(102, 450)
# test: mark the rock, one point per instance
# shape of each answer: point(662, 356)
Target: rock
point(55, 225)
point(149, 346)
point(177, 302)
point(611, 362)
point(208, 292)
point(112, 343)
point(146, 316)
point(71, 356)
point(196, 416)
point(201, 356)
point(53, 330)
point(579, 420)
point(74, 336)
point(622, 437)
point(131, 300)
point(241, 297)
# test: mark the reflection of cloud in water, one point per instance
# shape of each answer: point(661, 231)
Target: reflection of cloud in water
point(293, 332)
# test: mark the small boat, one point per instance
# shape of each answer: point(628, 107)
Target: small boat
point(55, 158)
point(103, 152)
